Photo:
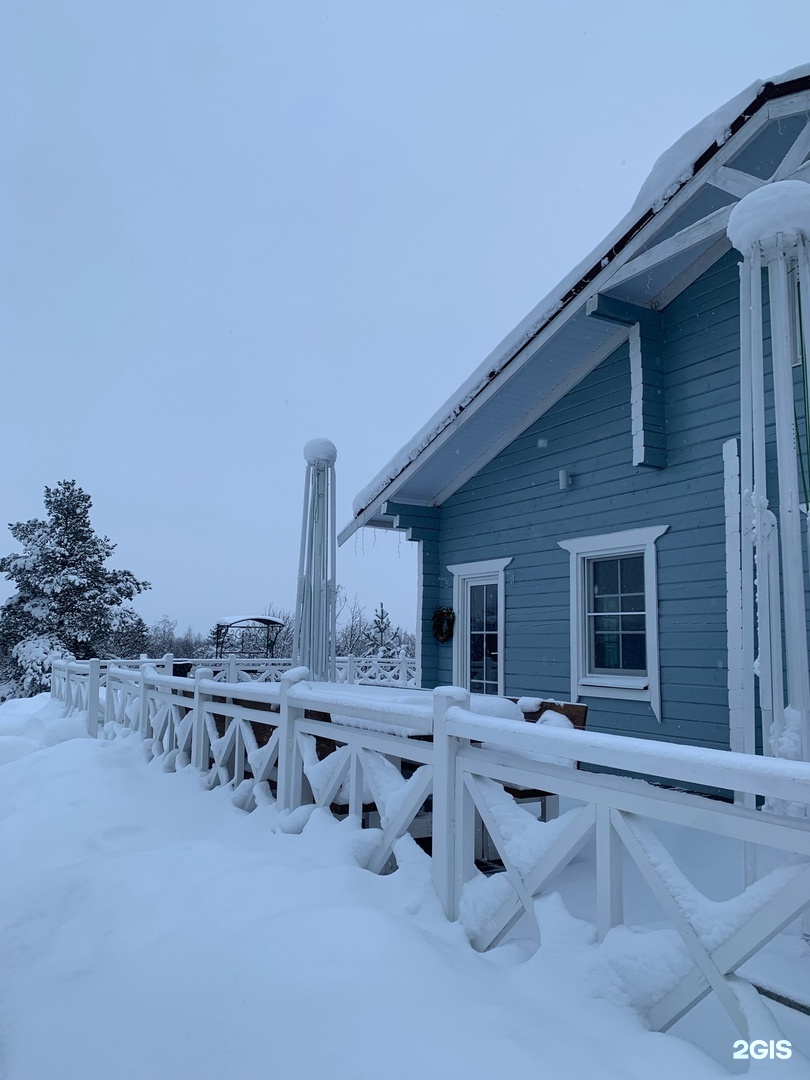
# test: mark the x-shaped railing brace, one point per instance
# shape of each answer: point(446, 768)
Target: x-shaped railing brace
point(711, 969)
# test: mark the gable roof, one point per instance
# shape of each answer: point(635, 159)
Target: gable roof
point(674, 231)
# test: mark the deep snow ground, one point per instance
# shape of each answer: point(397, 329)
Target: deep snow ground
point(149, 930)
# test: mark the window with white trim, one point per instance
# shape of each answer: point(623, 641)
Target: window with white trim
point(614, 615)
point(479, 604)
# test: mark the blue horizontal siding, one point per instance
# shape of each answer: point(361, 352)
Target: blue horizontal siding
point(513, 507)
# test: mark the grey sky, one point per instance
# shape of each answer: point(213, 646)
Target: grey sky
point(227, 228)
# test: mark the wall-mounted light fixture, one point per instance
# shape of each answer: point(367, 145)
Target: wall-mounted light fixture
point(565, 480)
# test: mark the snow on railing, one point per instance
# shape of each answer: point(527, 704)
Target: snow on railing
point(440, 765)
point(361, 670)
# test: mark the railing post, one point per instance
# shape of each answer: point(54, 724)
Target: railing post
point(609, 898)
point(232, 672)
point(350, 668)
point(109, 699)
point(143, 715)
point(200, 748)
point(168, 663)
point(92, 698)
point(453, 822)
point(403, 666)
point(289, 791)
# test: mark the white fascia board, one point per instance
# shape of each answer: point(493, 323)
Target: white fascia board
point(362, 520)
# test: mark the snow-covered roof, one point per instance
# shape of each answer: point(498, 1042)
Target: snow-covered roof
point(557, 325)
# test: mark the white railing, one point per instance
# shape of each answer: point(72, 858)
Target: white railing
point(361, 670)
point(429, 763)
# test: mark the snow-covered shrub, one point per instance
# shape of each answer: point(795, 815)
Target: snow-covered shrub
point(35, 657)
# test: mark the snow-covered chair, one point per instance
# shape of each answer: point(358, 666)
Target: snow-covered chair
point(545, 805)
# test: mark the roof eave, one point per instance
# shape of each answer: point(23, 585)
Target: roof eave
point(367, 515)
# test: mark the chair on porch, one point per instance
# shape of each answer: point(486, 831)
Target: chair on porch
point(545, 805)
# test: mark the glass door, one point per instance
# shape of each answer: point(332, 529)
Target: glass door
point(482, 640)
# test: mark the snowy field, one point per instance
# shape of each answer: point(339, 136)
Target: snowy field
point(149, 930)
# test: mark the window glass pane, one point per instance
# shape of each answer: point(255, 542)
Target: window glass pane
point(634, 652)
point(476, 687)
point(606, 651)
point(634, 602)
point(476, 648)
point(616, 642)
point(491, 670)
point(606, 603)
point(492, 607)
point(605, 576)
point(477, 607)
point(632, 574)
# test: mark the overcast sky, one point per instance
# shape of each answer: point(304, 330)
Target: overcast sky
point(229, 227)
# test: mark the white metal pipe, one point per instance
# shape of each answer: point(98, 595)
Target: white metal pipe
point(332, 577)
point(748, 734)
point(798, 677)
point(762, 524)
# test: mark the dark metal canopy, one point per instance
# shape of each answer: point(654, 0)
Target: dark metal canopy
point(245, 629)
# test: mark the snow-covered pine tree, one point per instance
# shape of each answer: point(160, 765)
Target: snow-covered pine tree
point(67, 602)
point(129, 635)
point(380, 639)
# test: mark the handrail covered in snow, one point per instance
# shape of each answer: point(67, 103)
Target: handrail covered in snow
point(443, 765)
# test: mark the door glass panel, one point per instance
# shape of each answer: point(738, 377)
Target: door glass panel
point(492, 608)
point(482, 642)
point(477, 607)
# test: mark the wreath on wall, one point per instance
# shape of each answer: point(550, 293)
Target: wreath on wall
point(443, 621)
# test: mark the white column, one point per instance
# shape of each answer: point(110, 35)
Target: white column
point(790, 527)
point(772, 224)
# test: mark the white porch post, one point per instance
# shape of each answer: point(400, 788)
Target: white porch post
point(771, 226)
point(314, 632)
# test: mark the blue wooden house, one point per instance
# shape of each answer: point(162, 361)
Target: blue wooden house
point(568, 501)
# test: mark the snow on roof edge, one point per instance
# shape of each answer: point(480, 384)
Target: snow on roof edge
point(673, 168)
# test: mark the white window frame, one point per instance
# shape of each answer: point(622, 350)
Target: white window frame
point(582, 550)
point(487, 572)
